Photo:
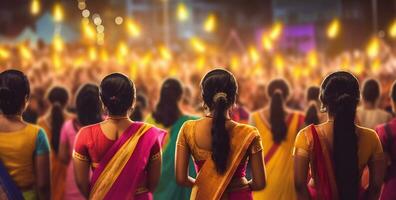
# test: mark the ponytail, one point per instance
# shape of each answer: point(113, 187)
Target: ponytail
point(345, 147)
point(311, 116)
point(57, 120)
point(277, 117)
point(220, 136)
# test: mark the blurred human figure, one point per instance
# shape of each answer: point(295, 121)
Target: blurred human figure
point(126, 157)
point(24, 148)
point(387, 135)
point(313, 114)
point(369, 114)
point(52, 122)
point(278, 127)
point(338, 150)
point(168, 116)
point(139, 111)
point(239, 113)
point(222, 148)
point(88, 111)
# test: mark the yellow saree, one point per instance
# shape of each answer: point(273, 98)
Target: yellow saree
point(279, 167)
point(210, 184)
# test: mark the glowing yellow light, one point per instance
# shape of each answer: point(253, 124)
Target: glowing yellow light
point(4, 53)
point(118, 20)
point(266, 42)
point(254, 54)
point(312, 59)
point(200, 63)
point(333, 29)
point(133, 70)
point(133, 28)
point(104, 56)
point(197, 44)
point(146, 59)
point(93, 55)
point(57, 43)
point(392, 30)
point(210, 23)
point(56, 62)
point(234, 62)
point(276, 31)
point(373, 47)
point(165, 53)
point(35, 7)
point(88, 30)
point(358, 68)
point(182, 12)
point(376, 65)
point(279, 62)
point(58, 13)
point(122, 52)
point(25, 52)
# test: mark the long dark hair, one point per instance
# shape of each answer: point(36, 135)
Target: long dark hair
point(219, 89)
point(167, 110)
point(117, 93)
point(88, 106)
point(58, 98)
point(14, 90)
point(311, 115)
point(278, 91)
point(340, 96)
point(141, 104)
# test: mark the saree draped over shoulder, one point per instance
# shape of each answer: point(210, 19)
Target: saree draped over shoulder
point(278, 159)
point(118, 173)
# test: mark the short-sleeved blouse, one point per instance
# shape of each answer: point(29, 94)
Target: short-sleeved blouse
point(369, 145)
point(186, 139)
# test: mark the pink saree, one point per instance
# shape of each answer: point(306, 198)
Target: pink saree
point(117, 175)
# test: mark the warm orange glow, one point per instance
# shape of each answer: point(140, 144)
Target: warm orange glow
point(373, 47)
point(312, 58)
point(266, 42)
point(35, 7)
point(4, 53)
point(58, 12)
point(197, 45)
point(392, 30)
point(25, 52)
point(276, 31)
point(88, 30)
point(92, 53)
point(279, 62)
point(333, 29)
point(182, 12)
point(254, 54)
point(57, 43)
point(133, 28)
point(165, 53)
point(210, 23)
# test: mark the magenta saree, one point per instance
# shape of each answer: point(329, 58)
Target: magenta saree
point(117, 175)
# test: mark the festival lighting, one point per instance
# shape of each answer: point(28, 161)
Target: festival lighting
point(25, 52)
point(376, 65)
point(118, 20)
point(200, 62)
point(373, 47)
point(165, 53)
point(276, 31)
point(82, 5)
point(104, 56)
point(333, 29)
point(122, 52)
point(133, 28)
point(312, 58)
point(197, 45)
point(266, 42)
point(182, 12)
point(85, 13)
point(210, 23)
point(88, 30)
point(279, 62)
point(146, 59)
point(234, 62)
point(57, 62)
point(254, 54)
point(57, 43)
point(392, 30)
point(35, 7)
point(58, 12)
point(4, 53)
point(92, 53)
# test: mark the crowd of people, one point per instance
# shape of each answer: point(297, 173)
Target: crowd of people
point(86, 123)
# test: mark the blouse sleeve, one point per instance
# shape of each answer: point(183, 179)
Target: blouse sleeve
point(155, 152)
point(256, 145)
point(302, 145)
point(182, 137)
point(377, 152)
point(80, 151)
point(42, 144)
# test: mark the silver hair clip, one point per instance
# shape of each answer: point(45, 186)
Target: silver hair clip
point(218, 95)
